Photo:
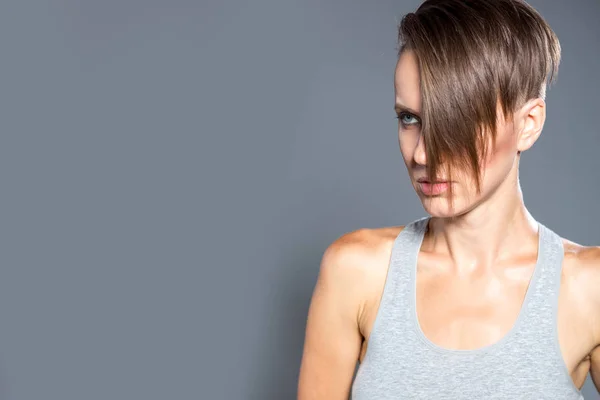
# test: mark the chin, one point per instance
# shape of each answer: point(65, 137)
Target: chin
point(439, 207)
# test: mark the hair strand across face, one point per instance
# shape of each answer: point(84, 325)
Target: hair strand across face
point(475, 57)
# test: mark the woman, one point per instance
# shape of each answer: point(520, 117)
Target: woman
point(478, 300)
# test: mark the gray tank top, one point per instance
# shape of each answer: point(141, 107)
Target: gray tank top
point(401, 363)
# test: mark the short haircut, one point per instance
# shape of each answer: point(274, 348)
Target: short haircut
point(473, 56)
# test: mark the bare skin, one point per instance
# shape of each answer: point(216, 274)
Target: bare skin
point(481, 260)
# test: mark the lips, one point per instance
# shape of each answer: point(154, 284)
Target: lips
point(425, 180)
point(432, 188)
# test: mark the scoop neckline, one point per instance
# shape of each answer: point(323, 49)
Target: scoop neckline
point(422, 225)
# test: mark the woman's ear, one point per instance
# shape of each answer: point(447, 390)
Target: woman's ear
point(533, 116)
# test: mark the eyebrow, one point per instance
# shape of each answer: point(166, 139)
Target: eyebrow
point(400, 107)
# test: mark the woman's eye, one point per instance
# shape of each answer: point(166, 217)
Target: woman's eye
point(407, 119)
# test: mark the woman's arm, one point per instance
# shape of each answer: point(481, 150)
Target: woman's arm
point(595, 367)
point(333, 339)
point(593, 288)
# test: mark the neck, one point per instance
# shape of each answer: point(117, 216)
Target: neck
point(495, 232)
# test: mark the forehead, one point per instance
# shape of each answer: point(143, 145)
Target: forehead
point(407, 81)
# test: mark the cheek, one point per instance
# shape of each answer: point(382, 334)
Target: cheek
point(407, 146)
point(504, 150)
point(499, 161)
point(407, 139)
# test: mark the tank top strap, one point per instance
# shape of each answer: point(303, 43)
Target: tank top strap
point(542, 303)
point(394, 313)
point(408, 242)
point(405, 252)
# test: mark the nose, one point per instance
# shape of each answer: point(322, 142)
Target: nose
point(420, 154)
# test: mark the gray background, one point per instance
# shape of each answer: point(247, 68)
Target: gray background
point(172, 172)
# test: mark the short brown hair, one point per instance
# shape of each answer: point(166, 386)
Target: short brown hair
point(474, 55)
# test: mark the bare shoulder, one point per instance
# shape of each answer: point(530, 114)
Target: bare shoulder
point(359, 262)
point(582, 268)
point(581, 279)
point(358, 254)
point(362, 245)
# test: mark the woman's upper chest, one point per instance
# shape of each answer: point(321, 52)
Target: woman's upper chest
point(469, 312)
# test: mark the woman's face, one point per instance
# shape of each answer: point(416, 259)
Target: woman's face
point(499, 169)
